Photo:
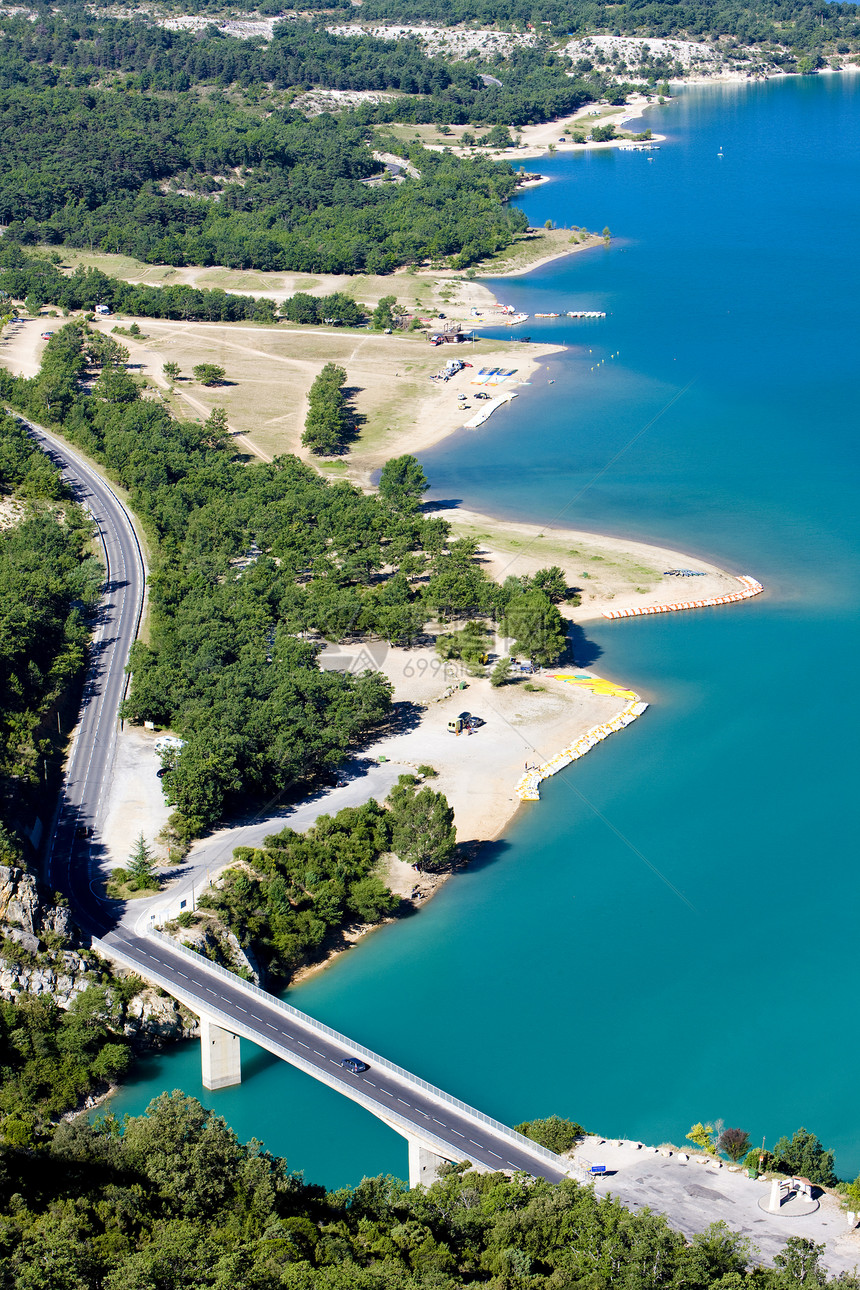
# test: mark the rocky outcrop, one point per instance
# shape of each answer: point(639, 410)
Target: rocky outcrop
point(65, 975)
point(25, 917)
point(149, 1019)
point(153, 1020)
point(33, 964)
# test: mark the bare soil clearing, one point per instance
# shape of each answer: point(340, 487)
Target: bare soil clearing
point(422, 291)
point(22, 346)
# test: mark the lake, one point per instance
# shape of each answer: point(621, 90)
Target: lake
point(670, 934)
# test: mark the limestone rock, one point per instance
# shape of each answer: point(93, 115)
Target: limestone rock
point(66, 976)
point(19, 899)
point(21, 906)
point(153, 1020)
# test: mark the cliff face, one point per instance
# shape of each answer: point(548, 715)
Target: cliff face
point(24, 916)
point(35, 962)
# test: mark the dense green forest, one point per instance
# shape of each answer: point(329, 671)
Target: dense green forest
point(49, 582)
point(146, 167)
point(173, 1199)
point(51, 1059)
point(89, 168)
point(257, 564)
point(801, 24)
point(299, 57)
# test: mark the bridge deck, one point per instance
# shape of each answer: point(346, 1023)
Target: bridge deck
point(410, 1105)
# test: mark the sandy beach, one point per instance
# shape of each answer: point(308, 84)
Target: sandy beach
point(477, 772)
point(608, 572)
point(537, 139)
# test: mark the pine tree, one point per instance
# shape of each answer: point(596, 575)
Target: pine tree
point(141, 869)
point(423, 831)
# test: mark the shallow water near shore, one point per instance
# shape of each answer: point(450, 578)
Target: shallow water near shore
point(670, 934)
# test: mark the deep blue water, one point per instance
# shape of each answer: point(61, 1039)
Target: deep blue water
point(670, 934)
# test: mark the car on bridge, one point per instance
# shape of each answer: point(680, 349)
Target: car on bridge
point(354, 1064)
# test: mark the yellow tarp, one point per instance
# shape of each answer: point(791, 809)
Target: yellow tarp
point(597, 685)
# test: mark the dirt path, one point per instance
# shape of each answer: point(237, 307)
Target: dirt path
point(139, 352)
point(21, 345)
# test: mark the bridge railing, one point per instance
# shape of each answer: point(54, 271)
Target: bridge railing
point(355, 1049)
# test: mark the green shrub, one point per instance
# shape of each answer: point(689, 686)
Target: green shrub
point(554, 1133)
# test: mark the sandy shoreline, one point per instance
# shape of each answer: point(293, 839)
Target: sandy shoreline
point(546, 259)
point(537, 139)
point(621, 573)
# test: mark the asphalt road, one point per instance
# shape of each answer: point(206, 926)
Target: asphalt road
point(71, 855)
point(395, 1096)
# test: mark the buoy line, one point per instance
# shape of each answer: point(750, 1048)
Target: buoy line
point(750, 588)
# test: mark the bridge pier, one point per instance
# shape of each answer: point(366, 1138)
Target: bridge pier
point(220, 1056)
point(424, 1164)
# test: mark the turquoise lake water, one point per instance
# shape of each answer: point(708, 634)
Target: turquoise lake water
point(562, 973)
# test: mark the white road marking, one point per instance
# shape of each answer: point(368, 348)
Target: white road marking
point(493, 1153)
point(400, 1099)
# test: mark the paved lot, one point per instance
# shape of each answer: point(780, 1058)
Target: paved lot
point(694, 1192)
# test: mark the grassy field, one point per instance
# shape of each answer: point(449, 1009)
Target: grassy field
point(423, 292)
point(269, 371)
point(528, 250)
point(598, 567)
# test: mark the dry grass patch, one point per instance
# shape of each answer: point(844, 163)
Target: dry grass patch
point(600, 570)
point(269, 371)
point(533, 247)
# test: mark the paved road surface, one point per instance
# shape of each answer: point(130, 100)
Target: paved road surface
point(71, 855)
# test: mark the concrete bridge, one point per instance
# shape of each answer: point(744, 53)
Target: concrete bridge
point(436, 1126)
